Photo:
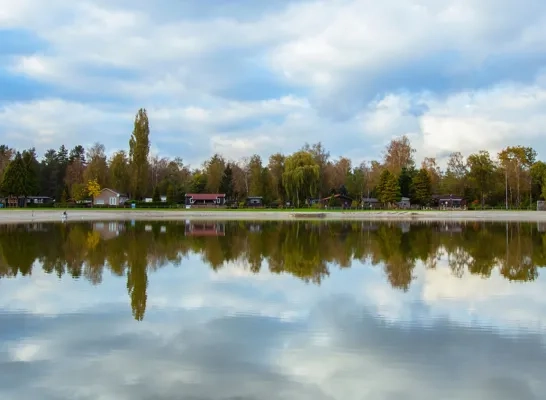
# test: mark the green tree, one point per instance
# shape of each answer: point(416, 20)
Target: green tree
point(198, 182)
point(119, 172)
point(388, 189)
point(97, 167)
point(422, 187)
point(79, 191)
point(13, 182)
point(170, 194)
point(31, 172)
point(215, 168)
point(481, 170)
point(405, 181)
point(256, 185)
point(276, 170)
point(300, 177)
point(226, 187)
point(156, 197)
point(139, 149)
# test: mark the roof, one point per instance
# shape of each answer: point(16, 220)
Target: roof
point(338, 196)
point(113, 191)
point(205, 196)
point(255, 197)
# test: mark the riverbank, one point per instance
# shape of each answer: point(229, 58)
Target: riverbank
point(22, 216)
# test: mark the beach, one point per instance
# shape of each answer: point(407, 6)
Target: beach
point(28, 215)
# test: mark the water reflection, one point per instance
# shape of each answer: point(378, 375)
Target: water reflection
point(283, 310)
point(306, 250)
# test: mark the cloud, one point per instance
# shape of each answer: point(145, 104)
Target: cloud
point(239, 78)
point(235, 342)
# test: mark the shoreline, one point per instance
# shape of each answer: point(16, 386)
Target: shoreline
point(37, 215)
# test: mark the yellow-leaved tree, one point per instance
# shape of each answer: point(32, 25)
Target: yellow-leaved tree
point(93, 188)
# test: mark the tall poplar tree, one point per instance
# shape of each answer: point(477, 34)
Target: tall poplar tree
point(139, 148)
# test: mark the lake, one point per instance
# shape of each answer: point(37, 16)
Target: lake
point(272, 310)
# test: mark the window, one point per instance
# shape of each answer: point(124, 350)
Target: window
point(113, 201)
point(99, 201)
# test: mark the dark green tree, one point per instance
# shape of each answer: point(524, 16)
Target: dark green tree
point(170, 194)
point(226, 185)
point(405, 181)
point(156, 196)
point(422, 188)
point(139, 149)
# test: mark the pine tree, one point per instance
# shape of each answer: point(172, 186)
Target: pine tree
point(422, 188)
point(388, 188)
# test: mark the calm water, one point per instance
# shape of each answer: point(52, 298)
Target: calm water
point(295, 310)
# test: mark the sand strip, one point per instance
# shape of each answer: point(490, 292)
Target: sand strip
point(21, 216)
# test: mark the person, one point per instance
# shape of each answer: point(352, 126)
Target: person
point(64, 216)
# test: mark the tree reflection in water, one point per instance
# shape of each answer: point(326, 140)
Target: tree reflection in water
point(304, 249)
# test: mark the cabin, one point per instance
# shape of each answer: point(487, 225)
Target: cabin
point(370, 203)
point(109, 197)
point(205, 199)
point(404, 203)
point(448, 201)
point(254, 201)
point(337, 200)
point(39, 200)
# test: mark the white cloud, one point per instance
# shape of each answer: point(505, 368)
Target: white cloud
point(471, 68)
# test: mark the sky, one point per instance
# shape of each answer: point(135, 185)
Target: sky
point(241, 77)
point(353, 337)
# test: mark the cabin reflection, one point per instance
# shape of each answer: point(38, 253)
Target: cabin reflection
point(205, 228)
point(109, 230)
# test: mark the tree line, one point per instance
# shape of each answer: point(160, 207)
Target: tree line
point(516, 251)
point(513, 177)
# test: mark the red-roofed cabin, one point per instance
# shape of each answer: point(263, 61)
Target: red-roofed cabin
point(205, 199)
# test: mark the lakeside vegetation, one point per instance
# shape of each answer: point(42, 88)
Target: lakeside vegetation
point(514, 177)
point(306, 250)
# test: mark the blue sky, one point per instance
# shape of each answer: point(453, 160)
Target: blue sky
point(352, 337)
point(244, 77)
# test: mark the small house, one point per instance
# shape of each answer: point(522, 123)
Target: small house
point(254, 201)
point(404, 203)
point(448, 201)
point(370, 203)
point(109, 197)
point(205, 199)
point(337, 200)
point(39, 200)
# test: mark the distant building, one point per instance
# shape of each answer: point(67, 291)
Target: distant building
point(110, 197)
point(162, 199)
point(451, 201)
point(370, 203)
point(39, 200)
point(254, 201)
point(339, 200)
point(205, 199)
point(404, 203)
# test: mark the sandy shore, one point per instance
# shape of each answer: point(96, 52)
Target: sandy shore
point(20, 216)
